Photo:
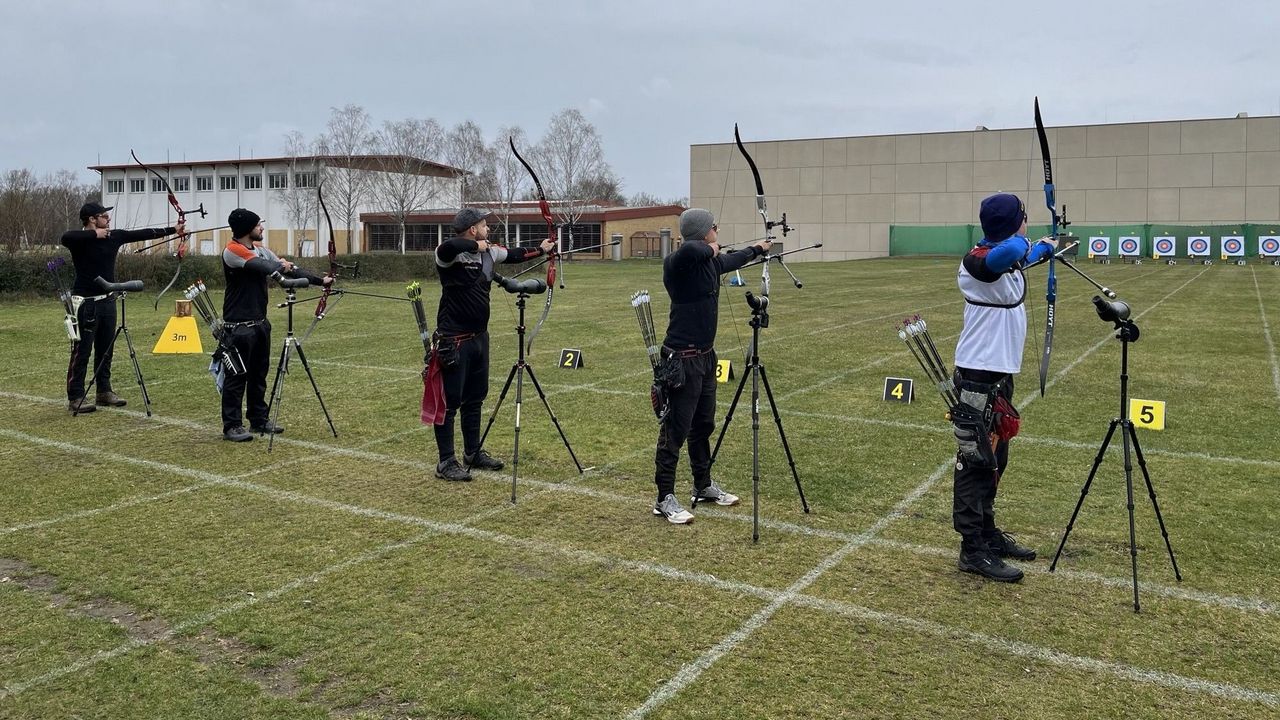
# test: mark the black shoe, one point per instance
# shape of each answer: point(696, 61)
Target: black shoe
point(482, 461)
point(267, 428)
point(450, 470)
point(984, 563)
point(80, 407)
point(237, 434)
point(1003, 545)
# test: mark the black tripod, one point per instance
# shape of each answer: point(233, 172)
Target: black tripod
point(292, 345)
point(119, 290)
point(755, 370)
point(518, 370)
point(1126, 332)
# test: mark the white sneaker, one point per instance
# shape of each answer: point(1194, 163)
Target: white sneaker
point(713, 493)
point(671, 510)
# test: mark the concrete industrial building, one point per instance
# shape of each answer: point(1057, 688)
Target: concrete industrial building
point(274, 188)
point(848, 192)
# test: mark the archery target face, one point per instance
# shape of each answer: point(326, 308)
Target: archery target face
point(1128, 246)
point(1099, 246)
point(1164, 245)
point(1269, 245)
point(1198, 246)
point(1232, 246)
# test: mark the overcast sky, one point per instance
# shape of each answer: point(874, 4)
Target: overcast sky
point(87, 81)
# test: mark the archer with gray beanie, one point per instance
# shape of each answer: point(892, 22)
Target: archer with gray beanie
point(691, 275)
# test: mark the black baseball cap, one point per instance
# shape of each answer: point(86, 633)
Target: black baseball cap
point(90, 209)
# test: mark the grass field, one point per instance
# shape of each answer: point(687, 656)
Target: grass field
point(151, 569)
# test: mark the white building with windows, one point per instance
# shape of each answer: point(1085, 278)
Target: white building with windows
point(281, 190)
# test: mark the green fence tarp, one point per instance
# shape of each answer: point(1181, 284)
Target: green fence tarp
point(957, 239)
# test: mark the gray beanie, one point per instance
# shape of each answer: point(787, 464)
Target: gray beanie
point(468, 217)
point(695, 223)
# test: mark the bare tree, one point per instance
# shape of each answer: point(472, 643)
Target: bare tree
point(573, 161)
point(400, 186)
point(510, 180)
point(299, 198)
point(35, 211)
point(644, 199)
point(465, 149)
point(18, 189)
point(348, 136)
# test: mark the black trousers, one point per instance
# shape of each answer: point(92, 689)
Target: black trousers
point(97, 320)
point(466, 385)
point(973, 512)
point(254, 344)
point(692, 419)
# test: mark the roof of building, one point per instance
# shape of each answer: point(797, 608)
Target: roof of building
point(384, 163)
point(527, 211)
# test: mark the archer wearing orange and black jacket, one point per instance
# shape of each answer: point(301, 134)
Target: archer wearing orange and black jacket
point(93, 252)
point(247, 264)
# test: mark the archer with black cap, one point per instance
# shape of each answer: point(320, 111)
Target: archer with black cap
point(988, 355)
point(465, 264)
point(247, 264)
point(93, 252)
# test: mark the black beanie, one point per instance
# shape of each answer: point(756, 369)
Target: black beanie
point(242, 222)
point(1001, 216)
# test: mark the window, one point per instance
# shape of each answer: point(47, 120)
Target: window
point(580, 236)
point(181, 184)
point(156, 185)
point(417, 237)
point(278, 181)
point(137, 185)
point(252, 182)
point(115, 187)
point(304, 179)
point(204, 183)
point(226, 182)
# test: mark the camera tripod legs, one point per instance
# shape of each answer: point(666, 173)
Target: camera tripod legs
point(1128, 434)
point(122, 329)
point(291, 345)
point(517, 373)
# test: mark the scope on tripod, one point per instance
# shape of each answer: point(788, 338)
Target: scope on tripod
point(287, 282)
point(1116, 311)
point(128, 286)
point(530, 286)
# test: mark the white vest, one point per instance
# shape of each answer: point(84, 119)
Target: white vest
point(993, 337)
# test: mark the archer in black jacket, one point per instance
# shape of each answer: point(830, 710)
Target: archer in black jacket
point(465, 265)
point(691, 276)
point(93, 253)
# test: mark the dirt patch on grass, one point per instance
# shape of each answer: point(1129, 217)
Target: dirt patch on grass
point(136, 625)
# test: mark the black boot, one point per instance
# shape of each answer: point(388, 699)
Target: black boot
point(1003, 545)
point(982, 561)
point(482, 461)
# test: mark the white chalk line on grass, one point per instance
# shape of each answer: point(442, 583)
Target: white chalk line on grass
point(1143, 676)
point(433, 528)
point(1266, 333)
point(428, 467)
point(689, 673)
point(1070, 366)
point(554, 389)
point(777, 599)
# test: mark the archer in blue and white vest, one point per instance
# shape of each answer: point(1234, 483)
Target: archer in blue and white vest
point(988, 355)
